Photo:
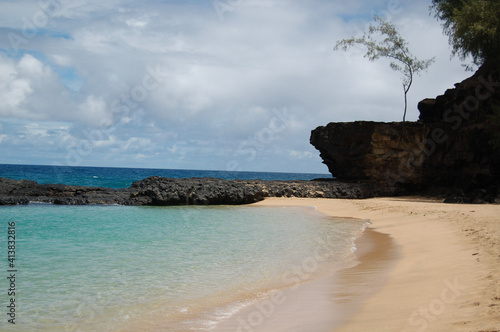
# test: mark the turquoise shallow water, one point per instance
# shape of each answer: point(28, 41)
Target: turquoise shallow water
point(115, 268)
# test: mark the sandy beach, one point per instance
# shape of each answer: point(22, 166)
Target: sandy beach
point(422, 266)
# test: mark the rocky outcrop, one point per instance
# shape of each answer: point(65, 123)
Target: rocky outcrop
point(25, 191)
point(461, 123)
point(372, 150)
point(449, 150)
point(196, 191)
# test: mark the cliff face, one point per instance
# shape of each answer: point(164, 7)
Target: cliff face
point(372, 150)
point(450, 146)
point(465, 156)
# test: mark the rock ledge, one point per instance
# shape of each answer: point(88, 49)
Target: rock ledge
point(159, 191)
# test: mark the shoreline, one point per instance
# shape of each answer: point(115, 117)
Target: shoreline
point(308, 305)
point(440, 275)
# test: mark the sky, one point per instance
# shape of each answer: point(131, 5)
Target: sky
point(200, 84)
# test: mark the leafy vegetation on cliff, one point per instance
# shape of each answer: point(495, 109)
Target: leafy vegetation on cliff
point(472, 26)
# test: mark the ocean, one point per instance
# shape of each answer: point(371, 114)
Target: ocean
point(113, 177)
point(123, 268)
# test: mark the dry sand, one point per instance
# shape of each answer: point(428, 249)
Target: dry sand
point(423, 266)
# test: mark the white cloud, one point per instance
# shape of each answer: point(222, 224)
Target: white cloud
point(106, 142)
point(35, 130)
point(137, 23)
point(299, 155)
point(61, 60)
point(30, 66)
point(136, 143)
point(94, 111)
point(217, 81)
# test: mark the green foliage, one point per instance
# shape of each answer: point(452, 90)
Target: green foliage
point(391, 46)
point(472, 26)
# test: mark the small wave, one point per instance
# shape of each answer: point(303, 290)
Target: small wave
point(365, 224)
point(226, 312)
point(40, 203)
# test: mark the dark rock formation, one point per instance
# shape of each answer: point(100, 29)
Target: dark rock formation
point(475, 93)
point(25, 191)
point(202, 191)
point(448, 151)
point(197, 191)
point(372, 150)
point(463, 156)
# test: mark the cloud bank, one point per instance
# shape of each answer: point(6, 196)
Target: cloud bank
point(226, 85)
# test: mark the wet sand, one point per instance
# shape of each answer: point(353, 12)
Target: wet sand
point(421, 266)
point(326, 302)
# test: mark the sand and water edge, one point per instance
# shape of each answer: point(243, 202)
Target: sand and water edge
point(420, 266)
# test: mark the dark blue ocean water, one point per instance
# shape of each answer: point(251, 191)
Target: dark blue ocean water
point(113, 177)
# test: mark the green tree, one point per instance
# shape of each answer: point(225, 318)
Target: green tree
point(389, 44)
point(472, 26)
